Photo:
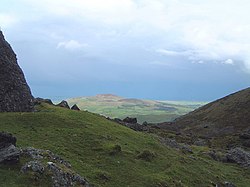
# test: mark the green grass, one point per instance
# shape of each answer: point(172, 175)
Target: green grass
point(144, 110)
point(92, 145)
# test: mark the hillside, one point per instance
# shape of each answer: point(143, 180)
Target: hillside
point(222, 122)
point(144, 110)
point(90, 143)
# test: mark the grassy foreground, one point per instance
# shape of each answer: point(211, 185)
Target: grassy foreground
point(92, 144)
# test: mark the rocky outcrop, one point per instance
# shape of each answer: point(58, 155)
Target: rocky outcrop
point(75, 107)
point(130, 120)
point(174, 144)
point(8, 151)
point(44, 162)
point(131, 123)
point(15, 94)
point(239, 156)
point(63, 104)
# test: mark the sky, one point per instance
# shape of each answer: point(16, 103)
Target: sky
point(156, 49)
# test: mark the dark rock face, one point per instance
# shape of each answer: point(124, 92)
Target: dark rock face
point(75, 107)
point(15, 94)
point(63, 104)
point(8, 151)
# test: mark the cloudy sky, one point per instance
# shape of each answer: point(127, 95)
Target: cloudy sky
point(158, 49)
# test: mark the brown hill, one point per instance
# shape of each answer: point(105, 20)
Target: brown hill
point(227, 115)
point(222, 123)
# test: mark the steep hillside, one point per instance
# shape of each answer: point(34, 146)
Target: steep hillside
point(230, 114)
point(222, 123)
point(144, 110)
point(108, 154)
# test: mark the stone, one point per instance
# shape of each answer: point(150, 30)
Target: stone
point(239, 156)
point(8, 151)
point(35, 166)
point(174, 144)
point(75, 107)
point(15, 94)
point(60, 170)
point(130, 120)
point(63, 104)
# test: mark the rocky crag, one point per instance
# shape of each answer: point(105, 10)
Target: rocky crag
point(15, 94)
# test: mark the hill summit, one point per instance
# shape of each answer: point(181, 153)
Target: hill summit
point(15, 94)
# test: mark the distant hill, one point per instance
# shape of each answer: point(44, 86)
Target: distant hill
point(145, 110)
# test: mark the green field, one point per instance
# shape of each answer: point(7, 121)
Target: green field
point(144, 110)
point(89, 142)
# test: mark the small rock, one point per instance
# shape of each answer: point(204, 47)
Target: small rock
point(8, 151)
point(34, 166)
point(75, 107)
point(63, 104)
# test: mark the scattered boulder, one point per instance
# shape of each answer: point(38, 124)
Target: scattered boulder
point(15, 94)
point(130, 120)
point(39, 100)
point(75, 107)
point(131, 123)
point(239, 156)
point(63, 104)
point(174, 144)
point(8, 151)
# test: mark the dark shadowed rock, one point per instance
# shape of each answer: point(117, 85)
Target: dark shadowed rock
point(75, 107)
point(15, 94)
point(39, 100)
point(8, 151)
point(130, 120)
point(63, 104)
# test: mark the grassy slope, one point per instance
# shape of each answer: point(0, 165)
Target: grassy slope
point(86, 140)
point(144, 110)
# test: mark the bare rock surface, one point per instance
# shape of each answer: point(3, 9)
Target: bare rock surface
point(15, 94)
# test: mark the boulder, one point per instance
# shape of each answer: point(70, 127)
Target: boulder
point(8, 151)
point(15, 94)
point(63, 104)
point(239, 156)
point(75, 107)
point(130, 120)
